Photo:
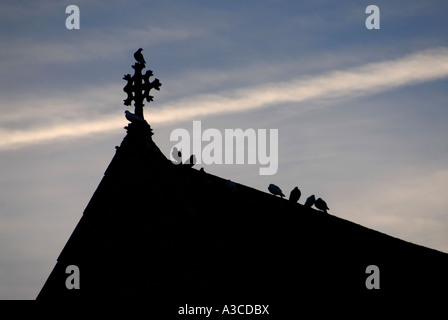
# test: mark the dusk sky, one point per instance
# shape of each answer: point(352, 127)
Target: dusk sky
point(361, 114)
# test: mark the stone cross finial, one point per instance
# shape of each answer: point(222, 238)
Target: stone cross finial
point(138, 86)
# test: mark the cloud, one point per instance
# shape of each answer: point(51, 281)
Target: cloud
point(376, 77)
point(423, 66)
point(13, 138)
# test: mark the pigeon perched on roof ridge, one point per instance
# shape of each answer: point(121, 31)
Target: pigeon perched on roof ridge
point(310, 201)
point(295, 194)
point(191, 161)
point(275, 190)
point(176, 156)
point(321, 205)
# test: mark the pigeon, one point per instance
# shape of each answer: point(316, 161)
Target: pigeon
point(191, 161)
point(176, 156)
point(310, 201)
point(139, 56)
point(295, 194)
point(275, 190)
point(133, 118)
point(321, 205)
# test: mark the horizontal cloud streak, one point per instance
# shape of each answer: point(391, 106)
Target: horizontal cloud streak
point(17, 138)
point(372, 78)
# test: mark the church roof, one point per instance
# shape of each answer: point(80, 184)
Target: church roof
point(157, 229)
point(153, 228)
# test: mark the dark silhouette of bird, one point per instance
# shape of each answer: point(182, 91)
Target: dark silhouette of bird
point(275, 190)
point(191, 161)
point(133, 118)
point(321, 205)
point(295, 194)
point(177, 156)
point(310, 201)
point(139, 56)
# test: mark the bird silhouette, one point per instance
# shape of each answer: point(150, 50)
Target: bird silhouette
point(275, 190)
point(310, 201)
point(139, 56)
point(321, 205)
point(191, 161)
point(295, 194)
point(133, 118)
point(176, 156)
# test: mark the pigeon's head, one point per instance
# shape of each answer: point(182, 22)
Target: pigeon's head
point(140, 50)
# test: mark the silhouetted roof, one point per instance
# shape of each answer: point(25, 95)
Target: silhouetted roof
point(156, 229)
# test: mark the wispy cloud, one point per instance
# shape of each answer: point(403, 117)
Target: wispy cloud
point(17, 138)
point(368, 79)
point(371, 78)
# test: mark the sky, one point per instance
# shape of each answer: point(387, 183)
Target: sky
point(361, 114)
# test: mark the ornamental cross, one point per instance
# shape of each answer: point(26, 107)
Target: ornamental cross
point(138, 86)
